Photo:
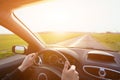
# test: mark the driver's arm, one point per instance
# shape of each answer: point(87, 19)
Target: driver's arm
point(67, 74)
point(16, 74)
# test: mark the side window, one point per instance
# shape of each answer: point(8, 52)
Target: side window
point(7, 41)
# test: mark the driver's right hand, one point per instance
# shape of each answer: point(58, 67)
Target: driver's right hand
point(69, 72)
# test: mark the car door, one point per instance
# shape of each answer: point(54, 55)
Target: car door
point(8, 59)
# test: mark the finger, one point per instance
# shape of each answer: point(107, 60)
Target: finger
point(66, 66)
point(73, 67)
point(32, 55)
point(76, 73)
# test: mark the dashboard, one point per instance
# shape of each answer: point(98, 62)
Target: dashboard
point(90, 64)
point(102, 65)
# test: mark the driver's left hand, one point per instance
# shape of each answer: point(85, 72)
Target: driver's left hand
point(28, 61)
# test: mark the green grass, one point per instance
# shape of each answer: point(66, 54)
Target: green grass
point(111, 40)
point(7, 41)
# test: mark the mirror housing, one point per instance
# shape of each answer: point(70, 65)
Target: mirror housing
point(18, 49)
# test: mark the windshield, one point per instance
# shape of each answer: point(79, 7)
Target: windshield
point(60, 20)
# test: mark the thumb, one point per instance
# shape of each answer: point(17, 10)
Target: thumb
point(73, 67)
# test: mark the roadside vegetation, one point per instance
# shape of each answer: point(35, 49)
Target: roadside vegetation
point(112, 40)
point(7, 41)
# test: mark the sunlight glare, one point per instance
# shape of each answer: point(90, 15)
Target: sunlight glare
point(52, 16)
point(71, 16)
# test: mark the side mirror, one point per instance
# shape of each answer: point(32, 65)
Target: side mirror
point(19, 49)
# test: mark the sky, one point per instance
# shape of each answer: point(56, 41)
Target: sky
point(73, 15)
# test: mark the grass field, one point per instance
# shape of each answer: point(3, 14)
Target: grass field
point(6, 43)
point(111, 40)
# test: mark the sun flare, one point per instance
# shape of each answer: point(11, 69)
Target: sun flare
point(69, 16)
point(52, 16)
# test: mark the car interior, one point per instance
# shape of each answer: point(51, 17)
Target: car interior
point(91, 64)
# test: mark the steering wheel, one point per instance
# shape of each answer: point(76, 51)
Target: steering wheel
point(48, 65)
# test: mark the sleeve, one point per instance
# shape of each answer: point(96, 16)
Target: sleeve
point(15, 75)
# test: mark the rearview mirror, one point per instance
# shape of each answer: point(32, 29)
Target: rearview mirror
point(19, 49)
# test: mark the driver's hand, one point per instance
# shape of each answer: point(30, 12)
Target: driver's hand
point(28, 61)
point(69, 72)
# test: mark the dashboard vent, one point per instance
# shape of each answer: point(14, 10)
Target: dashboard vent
point(101, 72)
